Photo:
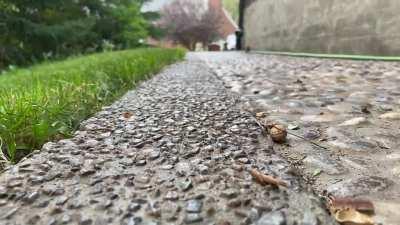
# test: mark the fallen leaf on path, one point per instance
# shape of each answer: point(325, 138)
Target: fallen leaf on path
point(260, 115)
point(127, 115)
point(362, 205)
point(353, 217)
point(266, 179)
point(317, 172)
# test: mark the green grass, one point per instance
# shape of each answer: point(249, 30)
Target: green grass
point(48, 101)
point(332, 56)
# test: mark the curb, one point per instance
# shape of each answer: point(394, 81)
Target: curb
point(332, 56)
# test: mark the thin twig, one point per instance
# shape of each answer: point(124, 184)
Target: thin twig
point(323, 147)
point(263, 128)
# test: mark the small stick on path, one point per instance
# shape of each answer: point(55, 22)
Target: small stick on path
point(264, 179)
point(264, 129)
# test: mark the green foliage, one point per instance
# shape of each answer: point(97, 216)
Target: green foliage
point(36, 30)
point(154, 31)
point(232, 6)
point(131, 30)
point(48, 101)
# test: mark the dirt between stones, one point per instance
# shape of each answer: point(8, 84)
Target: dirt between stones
point(350, 107)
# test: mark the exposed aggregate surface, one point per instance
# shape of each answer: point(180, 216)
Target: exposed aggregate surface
point(176, 150)
point(351, 108)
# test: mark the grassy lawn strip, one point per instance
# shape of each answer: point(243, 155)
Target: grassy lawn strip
point(48, 101)
point(332, 56)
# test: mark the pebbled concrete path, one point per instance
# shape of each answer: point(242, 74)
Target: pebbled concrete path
point(352, 108)
point(176, 150)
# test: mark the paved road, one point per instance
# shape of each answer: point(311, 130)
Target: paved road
point(350, 107)
point(177, 150)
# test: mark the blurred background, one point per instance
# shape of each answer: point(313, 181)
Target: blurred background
point(33, 31)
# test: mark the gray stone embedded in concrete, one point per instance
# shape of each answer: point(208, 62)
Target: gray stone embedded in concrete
point(177, 150)
point(324, 26)
point(351, 108)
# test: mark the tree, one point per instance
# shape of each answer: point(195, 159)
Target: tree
point(189, 22)
point(35, 30)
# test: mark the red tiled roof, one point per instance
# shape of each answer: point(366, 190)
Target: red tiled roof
point(228, 25)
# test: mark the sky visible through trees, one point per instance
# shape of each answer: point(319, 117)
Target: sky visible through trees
point(36, 30)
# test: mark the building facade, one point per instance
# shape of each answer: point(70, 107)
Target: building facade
point(323, 26)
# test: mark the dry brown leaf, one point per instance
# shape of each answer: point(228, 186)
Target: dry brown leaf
point(266, 179)
point(260, 115)
point(127, 115)
point(353, 217)
point(362, 205)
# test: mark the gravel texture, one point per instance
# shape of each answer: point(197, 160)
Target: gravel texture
point(177, 150)
point(351, 108)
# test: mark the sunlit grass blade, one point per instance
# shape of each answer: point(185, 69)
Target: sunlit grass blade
point(48, 101)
